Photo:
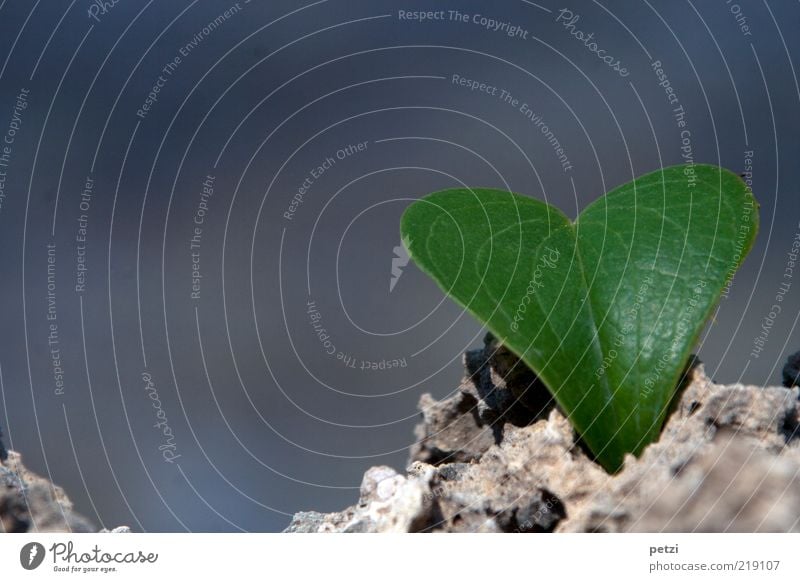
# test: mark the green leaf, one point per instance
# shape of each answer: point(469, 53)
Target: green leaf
point(606, 309)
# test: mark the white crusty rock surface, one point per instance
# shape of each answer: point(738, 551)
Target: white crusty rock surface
point(496, 458)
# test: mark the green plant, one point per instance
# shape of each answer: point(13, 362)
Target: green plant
point(606, 309)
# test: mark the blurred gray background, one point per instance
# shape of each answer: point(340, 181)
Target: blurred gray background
point(226, 411)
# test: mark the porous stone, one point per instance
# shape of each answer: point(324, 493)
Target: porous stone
point(728, 459)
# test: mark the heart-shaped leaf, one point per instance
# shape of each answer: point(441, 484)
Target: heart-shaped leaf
point(605, 310)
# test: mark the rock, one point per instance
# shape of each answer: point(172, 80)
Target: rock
point(734, 487)
point(791, 371)
point(120, 529)
point(498, 456)
point(29, 503)
point(755, 416)
point(389, 502)
point(497, 389)
point(451, 431)
point(315, 522)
